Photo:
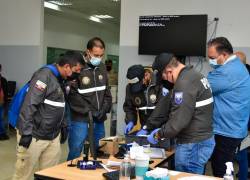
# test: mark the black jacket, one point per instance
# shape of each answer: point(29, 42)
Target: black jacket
point(190, 118)
point(42, 112)
point(143, 103)
point(160, 114)
point(90, 93)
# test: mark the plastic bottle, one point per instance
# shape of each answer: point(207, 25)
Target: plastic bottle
point(125, 168)
point(230, 169)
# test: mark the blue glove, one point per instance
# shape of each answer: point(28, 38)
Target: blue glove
point(128, 127)
point(142, 132)
point(151, 137)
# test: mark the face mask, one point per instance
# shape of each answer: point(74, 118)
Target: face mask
point(213, 63)
point(73, 76)
point(95, 61)
point(168, 85)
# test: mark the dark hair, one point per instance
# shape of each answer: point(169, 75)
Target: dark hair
point(96, 42)
point(0, 66)
point(221, 45)
point(173, 62)
point(70, 57)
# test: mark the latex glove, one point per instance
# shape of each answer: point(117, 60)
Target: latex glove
point(128, 127)
point(142, 132)
point(151, 137)
point(25, 141)
point(64, 135)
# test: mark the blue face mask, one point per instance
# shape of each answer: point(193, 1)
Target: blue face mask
point(95, 61)
point(213, 63)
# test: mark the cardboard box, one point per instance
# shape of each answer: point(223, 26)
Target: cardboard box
point(110, 144)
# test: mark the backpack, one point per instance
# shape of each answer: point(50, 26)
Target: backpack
point(17, 101)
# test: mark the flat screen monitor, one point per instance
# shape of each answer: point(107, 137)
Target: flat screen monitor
point(183, 35)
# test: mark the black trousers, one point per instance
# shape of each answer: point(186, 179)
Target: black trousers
point(224, 151)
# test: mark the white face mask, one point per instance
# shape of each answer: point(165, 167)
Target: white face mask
point(95, 61)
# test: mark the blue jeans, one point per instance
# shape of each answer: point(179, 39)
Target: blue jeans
point(192, 157)
point(77, 135)
point(2, 129)
point(242, 159)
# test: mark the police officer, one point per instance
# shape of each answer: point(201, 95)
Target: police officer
point(41, 117)
point(190, 118)
point(141, 97)
point(92, 93)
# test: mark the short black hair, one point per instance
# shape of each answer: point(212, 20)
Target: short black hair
point(95, 42)
point(72, 58)
point(221, 45)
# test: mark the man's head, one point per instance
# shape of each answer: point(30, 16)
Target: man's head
point(70, 62)
point(147, 77)
point(219, 50)
point(95, 51)
point(168, 66)
point(241, 56)
point(135, 75)
point(108, 64)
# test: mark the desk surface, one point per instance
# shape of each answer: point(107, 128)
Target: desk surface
point(62, 171)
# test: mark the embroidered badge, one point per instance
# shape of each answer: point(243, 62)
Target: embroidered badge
point(40, 85)
point(137, 100)
point(165, 91)
point(178, 97)
point(100, 77)
point(152, 98)
point(85, 80)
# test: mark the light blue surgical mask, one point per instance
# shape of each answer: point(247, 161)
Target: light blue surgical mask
point(95, 61)
point(213, 63)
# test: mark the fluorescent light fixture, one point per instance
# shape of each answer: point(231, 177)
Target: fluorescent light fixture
point(93, 18)
point(103, 16)
point(115, 0)
point(61, 3)
point(52, 6)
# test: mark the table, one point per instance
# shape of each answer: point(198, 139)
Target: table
point(62, 171)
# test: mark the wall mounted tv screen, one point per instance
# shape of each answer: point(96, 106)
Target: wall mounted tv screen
point(183, 35)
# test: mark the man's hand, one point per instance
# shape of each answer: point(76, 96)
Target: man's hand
point(25, 141)
point(99, 115)
point(128, 127)
point(64, 135)
point(152, 137)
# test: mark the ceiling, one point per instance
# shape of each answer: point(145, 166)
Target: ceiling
point(88, 8)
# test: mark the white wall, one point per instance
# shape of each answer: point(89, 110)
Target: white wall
point(21, 35)
point(68, 33)
point(20, 22)
point(233, 24)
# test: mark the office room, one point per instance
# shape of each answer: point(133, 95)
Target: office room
point(124, 89)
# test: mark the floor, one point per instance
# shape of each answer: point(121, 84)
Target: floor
point(8, 157)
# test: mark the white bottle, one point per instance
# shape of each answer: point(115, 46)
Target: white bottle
point(125, 168)
point(230, 169)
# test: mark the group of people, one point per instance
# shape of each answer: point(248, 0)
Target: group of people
point(208, 116)
point(76, 83)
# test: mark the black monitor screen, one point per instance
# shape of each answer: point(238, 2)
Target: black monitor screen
point(183, 35)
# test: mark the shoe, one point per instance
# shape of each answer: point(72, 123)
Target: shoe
point(4, 137)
